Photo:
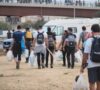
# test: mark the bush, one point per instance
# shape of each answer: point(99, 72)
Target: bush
point(5, 26)
point(97, 14)
point(33, 25)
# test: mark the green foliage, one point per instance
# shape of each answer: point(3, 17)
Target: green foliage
point(33, 25)
point(39, 23)
point(97, 14)
point(5, 26)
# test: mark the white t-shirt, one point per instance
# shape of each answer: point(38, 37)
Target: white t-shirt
point(87, 49)
point(35, 37)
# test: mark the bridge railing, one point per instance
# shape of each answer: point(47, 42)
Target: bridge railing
point(55, 2)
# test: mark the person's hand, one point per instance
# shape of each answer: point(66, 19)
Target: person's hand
point(82, 70)
point(63, 49)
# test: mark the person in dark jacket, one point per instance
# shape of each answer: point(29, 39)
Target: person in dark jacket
point(16, 48)
point(64, 36)
point(50, 47)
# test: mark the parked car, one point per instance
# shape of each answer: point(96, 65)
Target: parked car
point(7, 44)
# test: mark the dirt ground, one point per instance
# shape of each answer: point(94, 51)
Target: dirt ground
point(28, 78)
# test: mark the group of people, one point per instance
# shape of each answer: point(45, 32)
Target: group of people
point(44, 43)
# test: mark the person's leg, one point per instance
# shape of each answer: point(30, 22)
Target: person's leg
point(98, 85)
point(38, 60)
point(92, 86)
point(64, 59)
point(72, 58)
point(28, 45)
point(92, 75)
point(47, 57)
point(98, 82)
point(51, 56)
point(68, 59)
point(42, 58)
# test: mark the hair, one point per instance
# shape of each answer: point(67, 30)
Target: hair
point(18, 27)
point(40, 27)
point(48, 29)
point(95, 28)
point(83, 28)
point(70, 29)
point(27, 29)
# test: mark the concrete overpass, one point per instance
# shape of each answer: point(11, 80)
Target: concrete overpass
point(28, 9)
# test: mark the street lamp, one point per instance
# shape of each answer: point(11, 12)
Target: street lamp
point(74, 10)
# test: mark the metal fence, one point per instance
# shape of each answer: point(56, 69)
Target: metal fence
point(80, 3)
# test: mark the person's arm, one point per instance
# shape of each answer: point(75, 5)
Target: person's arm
point(46, 39)
point(87, 51)
point(65, 43)
point(79, 41)
point(84, 62)
point(60, 44)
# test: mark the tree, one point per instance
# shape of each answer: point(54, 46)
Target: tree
point(97, 14)
point(5, 26)
point(33, 25)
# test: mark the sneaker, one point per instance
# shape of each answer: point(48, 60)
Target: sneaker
point(51, 66)
point(17, 66)
point(39, 67)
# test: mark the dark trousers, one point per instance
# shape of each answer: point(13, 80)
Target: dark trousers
point(70, 57)
point(28, 46)
point(51, 57)
point(64, 57)
point(40, 59)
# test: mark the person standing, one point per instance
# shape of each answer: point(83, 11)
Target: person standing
point(16, 48)
point(28, 41)
point(40, 43)
point(84, 35)
point(91, 58)
point(9, 34)
point(64, 36)
point(50, 47)
point(70, 42)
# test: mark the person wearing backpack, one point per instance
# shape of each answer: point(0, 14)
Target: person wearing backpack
point(50, 47)
point(64, 36)
point(91, 58)
point(70, 42)
point(84, 35)
point(40, 43)
point(28, 41)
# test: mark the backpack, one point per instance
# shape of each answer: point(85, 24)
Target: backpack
point(28, 35)
point(50, 41)
point(71, 41)
point(40, 38)
point(95, 50)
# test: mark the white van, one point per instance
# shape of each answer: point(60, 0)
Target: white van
point(59, 25)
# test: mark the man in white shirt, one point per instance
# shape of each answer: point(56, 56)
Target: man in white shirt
point(40, 43)
point(90, 61)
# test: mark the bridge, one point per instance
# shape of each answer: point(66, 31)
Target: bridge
point(43, 9)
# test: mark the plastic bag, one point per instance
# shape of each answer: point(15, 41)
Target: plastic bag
point(80, 83)
point(78, 56)
point(58, 55)
point(26, 53)
point(32, 59)
point(9, 55)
